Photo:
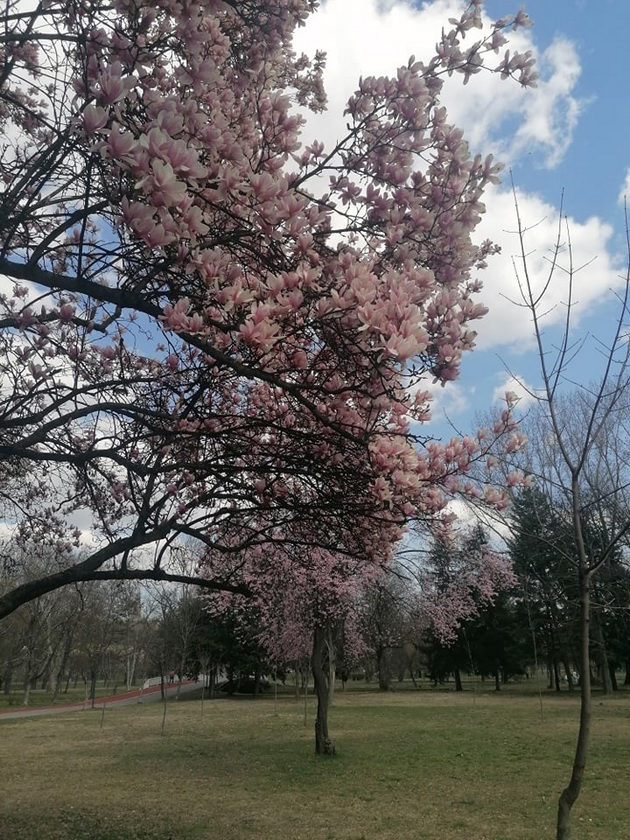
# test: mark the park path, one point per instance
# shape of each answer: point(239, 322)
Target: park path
point(128, 698)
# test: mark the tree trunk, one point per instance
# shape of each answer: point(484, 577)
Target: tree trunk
point(458, 680)
point(63, 665)
point(323, 744)
point(570, 794)
point(180, 676)
point(257, 679)
point(497, 680)
point(567, 671)
point(131, 668)
point(27, 684)
point(602, 657)
point(93, 677)
point(382, 664)
point(627, 679)
point(332, 670)
point(296, 680)
point(7, 678)
point(613, 677)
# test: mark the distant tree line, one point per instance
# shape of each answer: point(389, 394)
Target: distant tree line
point(122, 634)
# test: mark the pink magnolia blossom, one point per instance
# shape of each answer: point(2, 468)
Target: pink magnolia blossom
point(250, 357)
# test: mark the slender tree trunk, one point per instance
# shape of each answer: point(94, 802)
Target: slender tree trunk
point(382, 664)
point(131, 668)
point(567, 671)
point(93, 676)
point(180, 676)
point(27, 682)
point(296, 680)
point(570, 794)
point(613, 677)
point(550, 674)
point(7, 679)
point(257, 679)
point(323, 744)
point(332, 668)
point(458, 680)
point(626, 680)
point(67, 648)
point(602, 657)
point(48, 669)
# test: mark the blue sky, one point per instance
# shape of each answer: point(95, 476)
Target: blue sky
point(572, 133)
point(593, 165)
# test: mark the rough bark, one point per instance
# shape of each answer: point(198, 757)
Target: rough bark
point(383, 667)
point(323, 743)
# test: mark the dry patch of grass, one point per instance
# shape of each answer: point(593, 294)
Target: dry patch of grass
point(410, 766)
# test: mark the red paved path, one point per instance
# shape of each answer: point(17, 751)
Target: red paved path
point(146, 695)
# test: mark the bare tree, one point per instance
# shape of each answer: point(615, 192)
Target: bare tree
point(578, 448)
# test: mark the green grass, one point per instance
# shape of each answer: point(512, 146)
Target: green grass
point(410, 766)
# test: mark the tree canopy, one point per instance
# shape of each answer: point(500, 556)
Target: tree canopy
point(209, 327)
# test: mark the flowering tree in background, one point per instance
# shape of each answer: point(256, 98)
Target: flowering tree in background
point(303, 603)
point(209, 329)
point(461, 577)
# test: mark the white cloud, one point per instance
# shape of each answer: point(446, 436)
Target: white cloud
point(595, 268)
point(501, 118)
point(552, 114)
point(450, 401)
point(498, 116)
point(519, 386)
point(624, 192)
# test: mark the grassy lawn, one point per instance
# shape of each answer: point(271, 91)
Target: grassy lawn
point(410, 766)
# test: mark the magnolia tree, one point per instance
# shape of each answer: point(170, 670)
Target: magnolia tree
point(460, 578)
point(209, 328)
point(310, 603)
point(303, 604)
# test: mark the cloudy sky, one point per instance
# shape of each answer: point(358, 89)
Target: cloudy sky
point(571, 134)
